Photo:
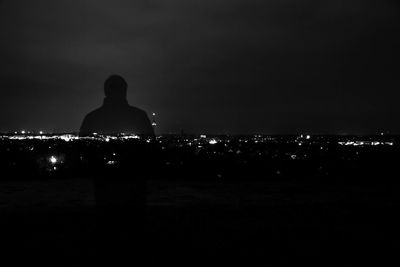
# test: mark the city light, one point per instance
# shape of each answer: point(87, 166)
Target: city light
point(213, 142)
point(154, 123)
point(319, 141)
point(53, 160)
point(365, 143)
point(67, 137)
point(50, 151)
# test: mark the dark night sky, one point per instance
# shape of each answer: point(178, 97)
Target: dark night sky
point(205, 66)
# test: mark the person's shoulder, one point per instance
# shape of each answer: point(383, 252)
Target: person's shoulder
point(137, 111)
point(94, 113)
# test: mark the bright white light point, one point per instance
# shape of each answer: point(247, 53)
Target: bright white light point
point(94, 133)
point(53, 160)
point(213, 142)
point(23, 132)
point(308, 137)
point(154, 114)
point(41, 132)
point(107, 139)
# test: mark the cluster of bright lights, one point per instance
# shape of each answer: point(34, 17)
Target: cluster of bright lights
point(198, 141)
point(54, 161)
point(307, 136)
point(68, 137)
point(71, 137)
point(213, 142)
point(127, 137)
point(365, 143)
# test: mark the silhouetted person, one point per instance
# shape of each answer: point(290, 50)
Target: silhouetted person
point(116, 116)
point(119, 188)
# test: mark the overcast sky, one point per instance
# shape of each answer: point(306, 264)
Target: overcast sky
point(205, 66)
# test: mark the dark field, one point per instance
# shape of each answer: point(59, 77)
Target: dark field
point(188, 223)
point(254, 201)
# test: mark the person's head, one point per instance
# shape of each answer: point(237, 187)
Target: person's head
point(115, 87)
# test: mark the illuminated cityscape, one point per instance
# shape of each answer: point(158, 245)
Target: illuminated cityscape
point(220, 156)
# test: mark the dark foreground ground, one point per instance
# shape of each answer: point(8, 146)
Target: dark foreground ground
point(190, 223)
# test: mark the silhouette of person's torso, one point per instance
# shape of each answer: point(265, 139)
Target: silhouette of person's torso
point(116, 116)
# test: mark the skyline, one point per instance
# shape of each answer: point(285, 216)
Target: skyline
point(221, 67)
